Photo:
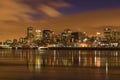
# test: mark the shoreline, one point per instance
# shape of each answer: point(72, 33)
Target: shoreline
point(84, 48)
point(72, 48)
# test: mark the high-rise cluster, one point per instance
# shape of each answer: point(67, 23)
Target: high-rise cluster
point(111, 36)
point(69, 38)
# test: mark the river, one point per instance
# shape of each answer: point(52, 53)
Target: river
point(33, 64)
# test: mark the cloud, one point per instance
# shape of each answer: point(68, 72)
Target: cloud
point(47, 7)
point(89, 22)
point(14, 10)
point(16, 16)
point(11, 10)
point(52, 12)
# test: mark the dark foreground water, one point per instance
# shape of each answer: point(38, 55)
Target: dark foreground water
point(59, 64)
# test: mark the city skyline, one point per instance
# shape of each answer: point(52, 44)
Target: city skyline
point(57, 15)
point(33, 34)
point(36, 38)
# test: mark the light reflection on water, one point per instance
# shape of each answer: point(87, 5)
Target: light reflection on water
point(99, 63)
point(70, 58)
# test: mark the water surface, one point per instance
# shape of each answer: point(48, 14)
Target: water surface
point(59, 64)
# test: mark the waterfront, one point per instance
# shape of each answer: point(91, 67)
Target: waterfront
point(33, 64)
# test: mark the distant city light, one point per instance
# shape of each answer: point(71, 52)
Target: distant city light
point(67, 38)
point(98, 33)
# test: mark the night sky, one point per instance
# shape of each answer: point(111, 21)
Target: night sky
point(90, 16)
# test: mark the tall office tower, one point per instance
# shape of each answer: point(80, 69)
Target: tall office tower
point(38, 35)
point(107, 33)
point(77, 36)
point(30, 35)
point(116, 36)
point(53, 36)
point(66, 36)
point(47, 35)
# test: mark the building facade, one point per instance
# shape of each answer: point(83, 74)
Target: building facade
point(38, 35)
point(30, 34)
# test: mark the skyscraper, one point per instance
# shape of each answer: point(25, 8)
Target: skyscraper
point(38, 35)
point(116, 35)
point(30, 35)
point(107, 33)
point(46, 35)
point(77, 36)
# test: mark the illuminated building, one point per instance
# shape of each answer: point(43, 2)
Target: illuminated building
point(98, 35)
point(53, 37)
point(8, 42)
point(58, 38)
point(63, 37)
point(38, 35)
point(21, 39)
point(15, 41)
point(77, 36)
point(67, 31)
point(66, 35)
point(107, 33)
point(47, 35)
point(116, 36)
point(30, 35)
